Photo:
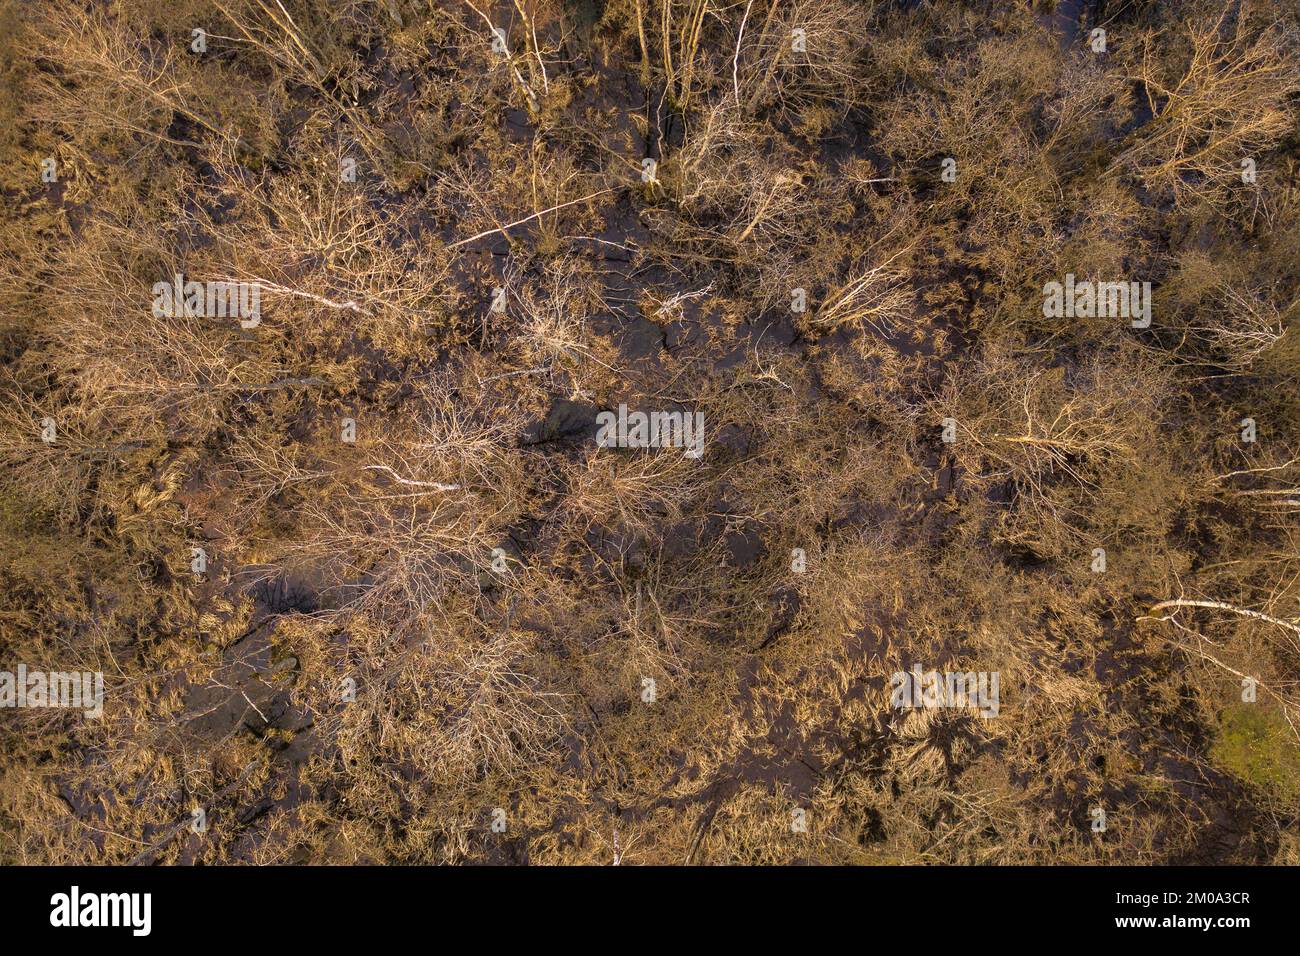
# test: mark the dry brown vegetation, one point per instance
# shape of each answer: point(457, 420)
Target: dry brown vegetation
point(433, 603)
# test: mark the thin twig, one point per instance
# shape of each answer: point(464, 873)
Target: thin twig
point(520, 222)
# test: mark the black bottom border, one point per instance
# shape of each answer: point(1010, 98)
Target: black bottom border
point(338, 905)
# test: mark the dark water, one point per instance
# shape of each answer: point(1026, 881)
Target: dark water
point(1065, 20)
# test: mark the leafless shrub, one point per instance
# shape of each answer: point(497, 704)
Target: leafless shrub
point(1225, 100)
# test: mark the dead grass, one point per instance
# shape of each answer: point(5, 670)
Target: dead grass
point(430, 596)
